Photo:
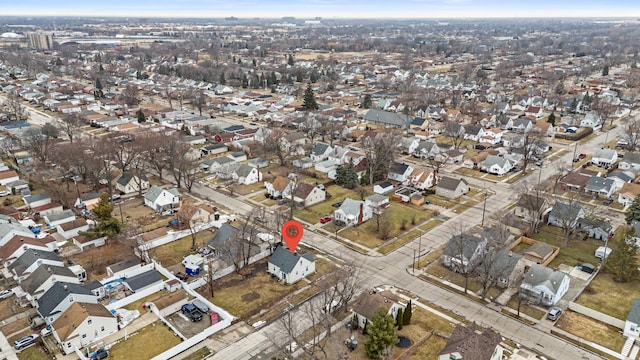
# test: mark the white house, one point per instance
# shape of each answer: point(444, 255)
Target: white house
point(605, 158)
point(399, 172)
point(383, 188)
point(43, 278)
point(58, 218)
point(279, 187)
point(352, 212)
point(71, 229)
point(632, 323)
point(307, 194)
point(290, 267)
point(496, 165)
point(598, 185)
point(129, 183)
point(423, 178)
point(628, 193)
point(83, 324)
point(8, 176)
point(591, 120)
point(60, 297)
point(544, 285)
point(161, 200)
point(565, 214)
point(369, 302)
point(452, 188)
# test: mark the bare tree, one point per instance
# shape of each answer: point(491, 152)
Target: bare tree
point(455, 132)
point(131, 237)
point(273, 144)
point(566, 212)
point(187, 216)
point(380, 151)
point(16, 108)
point(130, 94)
point(604, 107)
point(40, 141)
point(69, 125)
point(632, 133)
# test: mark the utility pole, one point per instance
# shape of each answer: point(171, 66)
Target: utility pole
point(484, 207)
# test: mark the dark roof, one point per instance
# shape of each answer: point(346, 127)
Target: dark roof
point(471, 345)
point(450, 183)
point(221, 241)
point(320, 148)
point(369, 302)
point(127, 177)
point(634, 312)
point(303, 190)
point(398, 168)
point(566, 211)
point(95, 284)
point(464, 243)
point(286, 260)
point(29, 257)
point(143, 280)
point(41, 274)
point(502, 263)
point(125, 264)
point(58, 292)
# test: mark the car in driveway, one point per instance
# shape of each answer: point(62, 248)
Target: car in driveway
point(337, 204)
point(607, 202)
point(582, 156)
point(25, 341)
point(100, 354)
point(325, 219)
point(575, 160)
point(554, 313)
point(192, 312)
point(6, 294)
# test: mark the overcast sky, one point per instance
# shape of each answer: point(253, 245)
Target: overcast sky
point(325, 8)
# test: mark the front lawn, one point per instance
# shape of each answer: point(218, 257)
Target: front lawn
point(366, 234)
point(313, 214)
point(33, 353)
point(173, 252)
point(146, 343)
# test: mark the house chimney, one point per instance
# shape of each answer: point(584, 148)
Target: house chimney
point(361, 214)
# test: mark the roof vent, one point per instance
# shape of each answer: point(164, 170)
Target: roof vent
point(65, 287)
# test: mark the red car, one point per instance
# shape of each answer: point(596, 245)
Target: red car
point(325, 219)
point(582, 156)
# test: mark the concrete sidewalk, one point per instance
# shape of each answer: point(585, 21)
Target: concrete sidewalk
point(6, 350)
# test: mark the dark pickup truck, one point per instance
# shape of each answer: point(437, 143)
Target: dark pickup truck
point(192, 312)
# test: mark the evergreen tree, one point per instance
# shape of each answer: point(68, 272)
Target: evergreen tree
point(406, 319)
point(399, 319)
point(552, 119)
point(290, 61)
point(364, 329)
point(222, 80)
point(633, 213)
point(140, 116)
point(98, 84)
point(605, 70)
point(355, 321)
point(367, 101)
point(107, 225)
point(273, 79)
point(309, 101)
point(622, 262)
point(381, 335)
point(340, 174)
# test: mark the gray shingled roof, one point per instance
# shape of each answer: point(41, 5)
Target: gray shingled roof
point(539, 275)
point(155, 191)
point(64, 214)
point(58, 292)
point(285, 260)
point(597, 183)
point(41, 274)
point(465, 244)
point(29, 257)
point(320, 148)
point(634, 312)
point(351, 207)
point(385, 117)
point(127, 177)
point(143, 280)
point(125, 264)
point(450, 183)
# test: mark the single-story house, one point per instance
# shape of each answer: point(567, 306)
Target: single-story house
point(143, 281)
point(352, 212)
point(467, 343)
point(544, 285)
point(370, 302)
point(290, 267)
point(71, 229)
point(452, 188)
point(496, 165)
point(565, 214)
point(604, 158)
point(632, 323)
point(58, 218)
point(307, 194)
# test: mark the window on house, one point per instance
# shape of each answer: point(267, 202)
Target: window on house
point(70, 298)
point(84, 336)
point(69, 345)
point(89, 321)
point(101, 328)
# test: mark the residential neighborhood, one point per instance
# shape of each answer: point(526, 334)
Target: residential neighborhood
point(445, 184)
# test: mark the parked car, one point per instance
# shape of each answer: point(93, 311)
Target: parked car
point(582, 156)
point(6, 294)
point(337, 204)
point(607, 202)
point(588, 268)
point(100, 354)
point(554, 313)
point(192, 312)
point(575, 160)
point(182, 276)
point(25, 341)
point(325, 219)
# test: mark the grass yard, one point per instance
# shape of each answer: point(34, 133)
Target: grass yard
point(323, 267)
point(610, 297)
point(244, 297)
point(338, 193)
point(390, 246)
point(438, 270)
point(366, 234)
point(33, 353)
point(441, 201)
point(8, 308)
point(577, 252)
point(248, 189)
point(148, 342)
point(96, 260)
point(592, 330)
point(198, 354)
point(173, 252)
point(15, 326)
point(526, 308)
point(430, 225)
point(429, 349)
point(466, 205)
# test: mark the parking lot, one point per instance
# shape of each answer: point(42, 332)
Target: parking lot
point(186, 326)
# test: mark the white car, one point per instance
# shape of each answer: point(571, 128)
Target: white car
point(6, 294)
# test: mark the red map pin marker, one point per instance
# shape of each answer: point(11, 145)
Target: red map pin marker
point(292, 233)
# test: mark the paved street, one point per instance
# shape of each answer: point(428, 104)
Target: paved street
point(394, 269)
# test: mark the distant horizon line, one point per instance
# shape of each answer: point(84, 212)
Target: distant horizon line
point(332, 17)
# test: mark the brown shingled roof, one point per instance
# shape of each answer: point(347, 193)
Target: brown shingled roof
point(471, 345)
point(368, 303)
point(75, 315)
